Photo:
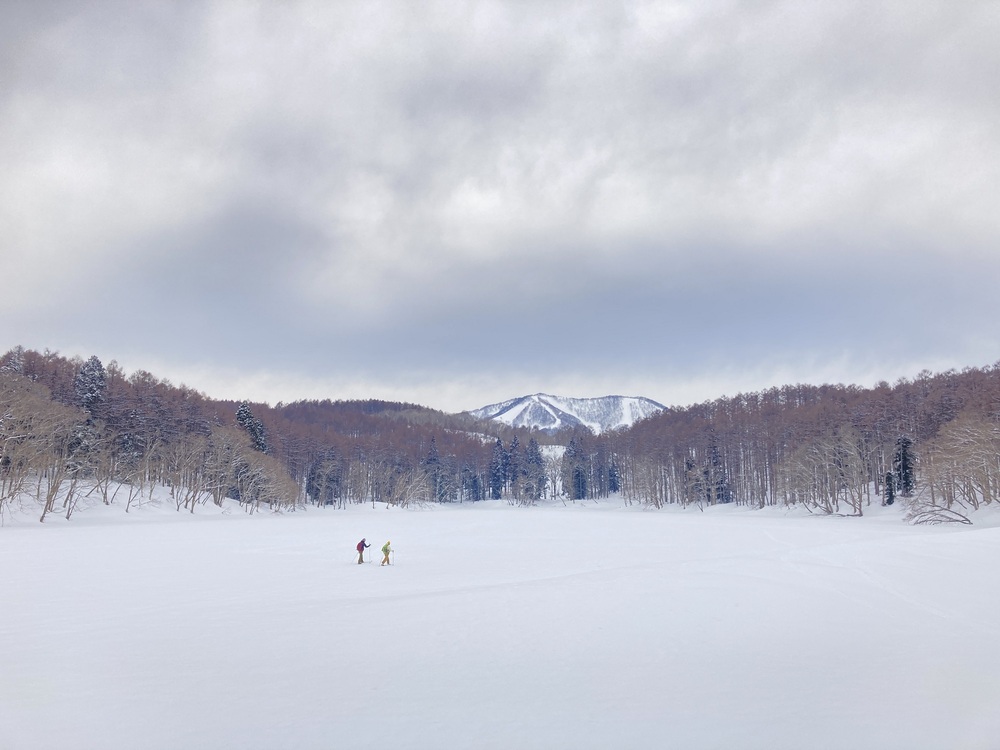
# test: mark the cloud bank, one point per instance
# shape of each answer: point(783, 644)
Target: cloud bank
point(459, 203)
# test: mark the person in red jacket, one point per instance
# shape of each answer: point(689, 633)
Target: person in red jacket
point(361, 550)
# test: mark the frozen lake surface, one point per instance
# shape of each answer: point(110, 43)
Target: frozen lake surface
point(592, 626)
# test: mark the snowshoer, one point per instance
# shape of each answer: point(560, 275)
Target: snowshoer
point(386, 549)
point(361, 550)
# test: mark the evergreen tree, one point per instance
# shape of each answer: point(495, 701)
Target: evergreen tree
point(579, 483)
point(614, 478)
point(472, 485)
point(244, 416)
point(716, 485)
point(534, 472)
point(253, 427)
point(497, 470)
point(575, 469)
point(512, 470)
point(902, 465)
point(890, 489)
point(599, 470)
point(90, 384)
point(13, 361)
point(441, 486)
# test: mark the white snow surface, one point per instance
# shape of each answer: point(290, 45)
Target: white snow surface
point(585, 626)
point(547, 412)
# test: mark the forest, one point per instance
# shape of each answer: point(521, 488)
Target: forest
point(73, 430)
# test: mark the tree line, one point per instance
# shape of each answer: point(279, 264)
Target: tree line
point(934, 440)
point(72, 429)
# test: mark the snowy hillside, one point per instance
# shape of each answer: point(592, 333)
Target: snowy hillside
point(553, 413)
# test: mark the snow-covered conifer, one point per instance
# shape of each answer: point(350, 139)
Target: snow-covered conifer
point(903, 466)
point(497, 470)
point(534, 471)
point(253, 426)
point(890, 489)
point(13, 361)
point(513, 466)
point(90, 384)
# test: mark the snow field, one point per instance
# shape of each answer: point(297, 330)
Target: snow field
point(591, 626)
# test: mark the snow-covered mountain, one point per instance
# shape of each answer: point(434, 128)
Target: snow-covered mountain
point(553, 413)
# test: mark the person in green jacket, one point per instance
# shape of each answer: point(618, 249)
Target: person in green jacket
point(386, 549)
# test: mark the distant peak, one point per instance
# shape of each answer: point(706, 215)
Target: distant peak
point(551, 413)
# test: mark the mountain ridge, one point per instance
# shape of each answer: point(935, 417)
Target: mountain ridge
point(552, 413)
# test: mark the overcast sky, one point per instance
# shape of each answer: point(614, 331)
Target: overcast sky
point(455, 203)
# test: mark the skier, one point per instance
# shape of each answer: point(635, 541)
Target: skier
point(386, 549)
point(361, 550)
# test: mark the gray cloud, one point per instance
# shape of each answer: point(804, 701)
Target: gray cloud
point(493, 195)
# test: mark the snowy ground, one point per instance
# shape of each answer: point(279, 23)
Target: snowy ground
point(499, 627)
